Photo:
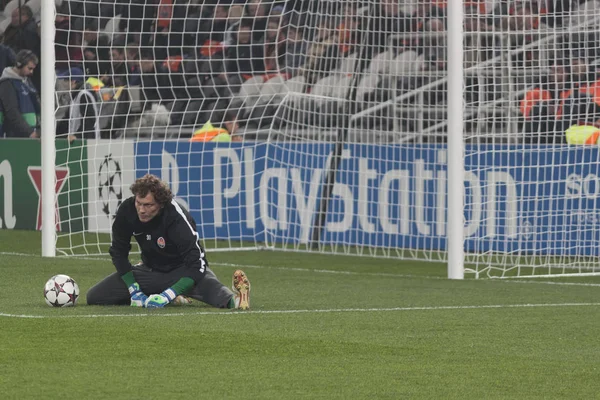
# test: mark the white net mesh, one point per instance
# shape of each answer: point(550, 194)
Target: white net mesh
point(329, 124)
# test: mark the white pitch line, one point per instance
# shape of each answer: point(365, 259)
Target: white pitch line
point(338, 272)
point(321, 311)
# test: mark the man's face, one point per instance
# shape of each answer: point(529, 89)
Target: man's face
point(27, 70)
point(272, 30)
point(146, 65)
point(557, 75)
point(256, 8)
point(232, 126)
point(117, 56)
point(14, 18)
point(89, 55)
point(147, 208)
point(89, 35)
point(244, 35)
point(293, 35)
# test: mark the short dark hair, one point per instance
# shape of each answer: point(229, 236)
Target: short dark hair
point(246, 23)
point(152, 184)
point(26, 11)
point(147, 53)
point(24, 57)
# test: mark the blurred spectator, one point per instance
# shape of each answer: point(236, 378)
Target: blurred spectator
point(244, 58)
point(124, 66)
point(582, 105)
point(295, 47)
point(137, 19)
point(562, 99)
point(168, 28)
point(89, 30)
point(7, 57)
point(555, 12)
point(74, 77)
point(96, 57)
point(349, 28)
point(520, 17)
point(132, 61)
point(322, 53)
point(523, 21)
point(19, 103)
point(235, 16)
point(274, 46)
point(213, 27)
point(388, 20)
point(118, 67)
point(160, 84)
point(22, 34)
point(257, 12)
point(68, 84)
point(68, 40)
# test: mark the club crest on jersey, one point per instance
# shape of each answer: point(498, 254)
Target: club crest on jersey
point(161, 242)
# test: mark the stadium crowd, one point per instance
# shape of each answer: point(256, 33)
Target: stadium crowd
point(231, 62)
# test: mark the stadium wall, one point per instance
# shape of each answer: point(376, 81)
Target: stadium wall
point(392, 196)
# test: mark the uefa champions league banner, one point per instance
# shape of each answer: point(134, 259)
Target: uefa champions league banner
point(536, 200)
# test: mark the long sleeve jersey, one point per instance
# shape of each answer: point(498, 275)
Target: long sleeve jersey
point(167, 242)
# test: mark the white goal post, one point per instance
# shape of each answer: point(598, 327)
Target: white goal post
point(454, 132)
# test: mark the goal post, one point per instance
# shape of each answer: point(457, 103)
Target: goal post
point(421, 131)
point(456, 167)
point(48, 132)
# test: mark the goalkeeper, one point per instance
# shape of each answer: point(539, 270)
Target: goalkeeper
point(173, 262)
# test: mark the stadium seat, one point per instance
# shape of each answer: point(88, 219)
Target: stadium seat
point(35, 5)
point(342, 87)
point(112, 26)
point(250, 90)
point(381, 63)
point(367, 87)
point(348, 64)
point(274, 86)
point(296, 84)
point(583, 12)
point(405, 63)
point(324, 106)
point(325, 87)
point(10, 7)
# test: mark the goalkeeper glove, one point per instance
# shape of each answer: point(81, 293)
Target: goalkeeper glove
point(138, 298)
point(160, 300)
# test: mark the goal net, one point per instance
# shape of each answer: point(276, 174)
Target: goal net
point(323, 125)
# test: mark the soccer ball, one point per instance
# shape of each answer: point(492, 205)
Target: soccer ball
point(61, 291)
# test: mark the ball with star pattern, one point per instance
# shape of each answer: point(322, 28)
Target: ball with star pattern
point(61, 291)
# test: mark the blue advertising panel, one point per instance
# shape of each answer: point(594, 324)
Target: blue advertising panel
point(536, 200)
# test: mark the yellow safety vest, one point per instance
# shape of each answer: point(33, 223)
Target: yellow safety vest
point(583, 135)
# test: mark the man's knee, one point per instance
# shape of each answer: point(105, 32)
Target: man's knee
point(94, 297)
point(106, 293)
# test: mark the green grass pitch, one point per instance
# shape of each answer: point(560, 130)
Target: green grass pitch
point(321, 327)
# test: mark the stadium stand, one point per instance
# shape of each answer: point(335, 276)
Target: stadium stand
point(290, 65)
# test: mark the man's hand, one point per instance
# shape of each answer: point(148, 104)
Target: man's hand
point(160, 300)
point(138, 298)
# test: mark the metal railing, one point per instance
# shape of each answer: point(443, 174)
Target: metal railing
point(496, 101)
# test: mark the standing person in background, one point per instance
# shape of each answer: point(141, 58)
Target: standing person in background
point(22, 34)
point(173, 262)
point(19, 103)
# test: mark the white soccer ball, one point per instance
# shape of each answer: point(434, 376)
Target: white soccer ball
point(61, 291)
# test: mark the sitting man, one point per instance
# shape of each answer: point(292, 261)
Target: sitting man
point(173, 262)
